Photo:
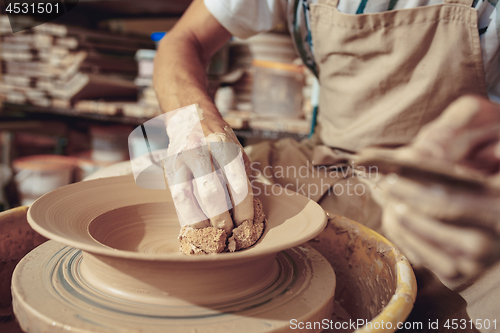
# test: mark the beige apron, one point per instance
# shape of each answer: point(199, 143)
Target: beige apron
point(383, 76)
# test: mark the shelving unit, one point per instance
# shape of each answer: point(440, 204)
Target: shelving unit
point(91, 12)
point(88, 14)
point(18, 111)
point(244, 125)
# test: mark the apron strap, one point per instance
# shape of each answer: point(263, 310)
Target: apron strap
point(460, 2)
point(333, 3)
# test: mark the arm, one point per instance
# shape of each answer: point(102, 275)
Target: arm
point(181, 61)
point(180, 80)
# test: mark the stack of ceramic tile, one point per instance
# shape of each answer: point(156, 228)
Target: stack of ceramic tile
point(54, 65)
point(269, 47)
point(241, 57)
point(148, 105)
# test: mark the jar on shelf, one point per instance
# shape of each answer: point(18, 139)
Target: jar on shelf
point(277, 89)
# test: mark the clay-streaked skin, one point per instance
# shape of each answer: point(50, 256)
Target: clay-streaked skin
point(467, 133)
point(206, 175)
point(239, 185)
point(180, 80)
point(452, 231)
point(450, 227)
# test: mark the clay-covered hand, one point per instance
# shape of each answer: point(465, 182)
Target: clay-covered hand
point(454, 231)
point(450, 226)
point(206, 171)
point(467, 134)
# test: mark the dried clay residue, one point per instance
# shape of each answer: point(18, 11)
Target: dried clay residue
point(213, 240)
point(202, 241)
point(364, 267)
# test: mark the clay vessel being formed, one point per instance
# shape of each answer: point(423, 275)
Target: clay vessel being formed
point(130, 254)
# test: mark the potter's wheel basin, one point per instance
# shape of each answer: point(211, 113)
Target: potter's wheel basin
point(116, 218)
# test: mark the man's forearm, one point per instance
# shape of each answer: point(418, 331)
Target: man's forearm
point(180, 76)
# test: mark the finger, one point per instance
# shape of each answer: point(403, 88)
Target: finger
point(438, 260)
point(458, 205)
point(455, 240)
point(229, 157)
point(485, 113)
point(232, 137)
point(244, 210)
point(415, 249)
point(466, 124)
point(468, 144)
point(209, 187)
point(393, 233)
point(484, 158)
point(214, 199)
point(432, 252)
point(181, 188)
point(434, 138)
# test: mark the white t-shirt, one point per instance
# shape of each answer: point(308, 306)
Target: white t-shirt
point(245, 18)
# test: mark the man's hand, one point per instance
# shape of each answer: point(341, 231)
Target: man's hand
point(205, 170)
point(467, 133)
point(450, 227)
point(204, 143)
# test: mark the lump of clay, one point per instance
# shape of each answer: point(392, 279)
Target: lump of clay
point(213, 240)
point(249, 231)
point(202, 241)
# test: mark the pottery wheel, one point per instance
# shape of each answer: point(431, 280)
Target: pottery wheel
point(50, 294)
point(114, 265)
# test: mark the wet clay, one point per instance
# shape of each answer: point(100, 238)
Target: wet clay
point(119, 266)
point(212, 240)
point(202, 241)
point(248, 232)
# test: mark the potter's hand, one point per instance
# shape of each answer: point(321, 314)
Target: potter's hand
point(467, 134)
point(449, 227)
point(453, 231)
point(204, 160)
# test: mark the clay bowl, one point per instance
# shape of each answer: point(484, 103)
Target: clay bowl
point(128, 236)
point(374, 281)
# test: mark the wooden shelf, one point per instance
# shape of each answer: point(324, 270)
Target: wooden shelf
point(90, 12)
point(245, 124)
point(133, 8)
point(18, 110)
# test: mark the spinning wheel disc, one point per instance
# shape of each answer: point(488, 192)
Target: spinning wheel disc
point(119, 268)
point(50, 294)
